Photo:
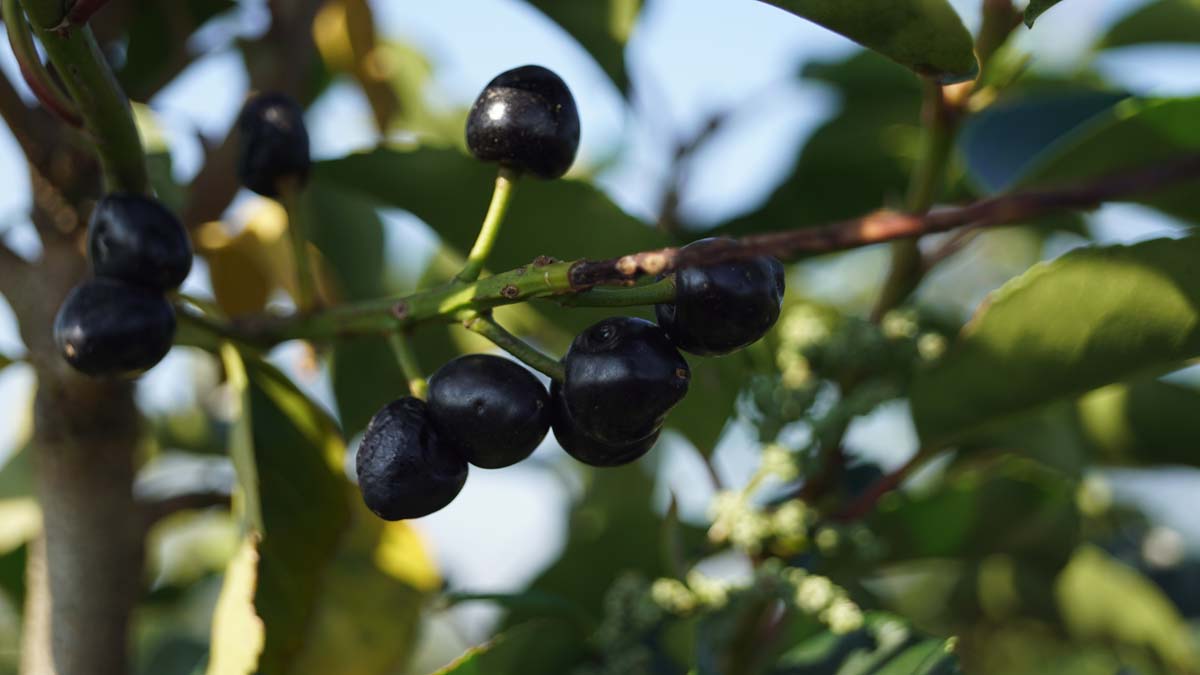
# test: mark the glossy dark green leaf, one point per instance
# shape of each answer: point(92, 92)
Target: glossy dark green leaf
point(925, 35)
point(1036, 8)
point(532, 648)
point(1002, 142)
point(1133, 134)
point(601, 26)
point(879, 119)
point(1092, 317)
point(1159, 21)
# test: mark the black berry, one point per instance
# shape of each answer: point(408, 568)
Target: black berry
point(525, 119)
point(722, 308)
point(622, 378)
point(136, 239)
point(110, 327)
point(589, 450)
point(274, 144)
point(405, 469)
point(491, 409)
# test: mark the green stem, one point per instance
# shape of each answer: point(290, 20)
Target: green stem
point(407, 359)
point(506, 181)
point(941, 126)
point(485, 324)
point(32, 69)
point(99, 98)
point(290, 196)
point(601, 296)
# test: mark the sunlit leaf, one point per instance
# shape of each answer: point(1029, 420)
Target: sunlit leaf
point(925, 35)
point(344, 32)
point(1144, 422)
point(1092, 317)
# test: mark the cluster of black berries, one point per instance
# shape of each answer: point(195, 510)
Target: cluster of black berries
point(119, 322)
point(622, 375)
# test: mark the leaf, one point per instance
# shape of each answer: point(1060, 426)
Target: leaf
point(1159, 21)
point(926, 36)
point(344, 32)
point(157, 40)
point(1092, 317)
point(1103, 600)
point(878, 117)
point(271, 587)
point(241, 437)
point(1134, 133)
point(1147, 421)
point(601, 26)
point(1036, 8)
point(533, 648)
point(712, 394)
point(1001, 142)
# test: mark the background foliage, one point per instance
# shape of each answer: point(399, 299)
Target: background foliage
point(1035, 375)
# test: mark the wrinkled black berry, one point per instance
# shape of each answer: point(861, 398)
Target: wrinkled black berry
point(589, 450)
point(622, 378)
point(136, 239)
point(109, 327)
point(722, 308)
point(274, 143)
point(490, 408)
point(525, 119)
point(405, 470)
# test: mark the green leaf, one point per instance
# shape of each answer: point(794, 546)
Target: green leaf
point(1134, 133)
point(1092, 317)
point(879, 118)
point(1001, 142)
point(1144, 422)
point(926, 36)
point(1036, 8)
point(271, 587)
point(157, 40)
point(1106, 601)
point(241, 436)
point(601, 26)
point(532, 648)
point(1160, 21)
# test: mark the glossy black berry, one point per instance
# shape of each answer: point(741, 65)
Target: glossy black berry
point(136, 239)
point(587, 449)
point(525, 119)
point(405, 469)
point(273, 143)
point(722, 308)
point(491, 409)
point(622, 378)
point(110, 327)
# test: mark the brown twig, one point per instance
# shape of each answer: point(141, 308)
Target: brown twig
point(157, 510)
point(865, 503)
point(887, 225)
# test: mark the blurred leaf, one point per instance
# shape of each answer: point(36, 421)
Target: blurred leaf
point(1036, 8)
point(1144, 422)
point(613, 530)
point(241, 437)
point(1134, 133)
point(564, 218)
point(1052, 435)
point(601, 26)
point(247, 267)
point(272, 584)
point(344, 32)
point(1092, 317)
point(1012, 507)
point(714, 389)
point(158, 38)
point(532, 648)
point(878, 117)
point(1159, 21)
point(349, 233)
point(1103, 600)
point(1002, 141)
point(16, 475)
point(369, 608)
point(12, 574)
point(925, 35)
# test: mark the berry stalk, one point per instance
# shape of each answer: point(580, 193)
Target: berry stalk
point(486, 325)
point(506, 181)
point(33, 70)
point(290, 195)
point(407, 358)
